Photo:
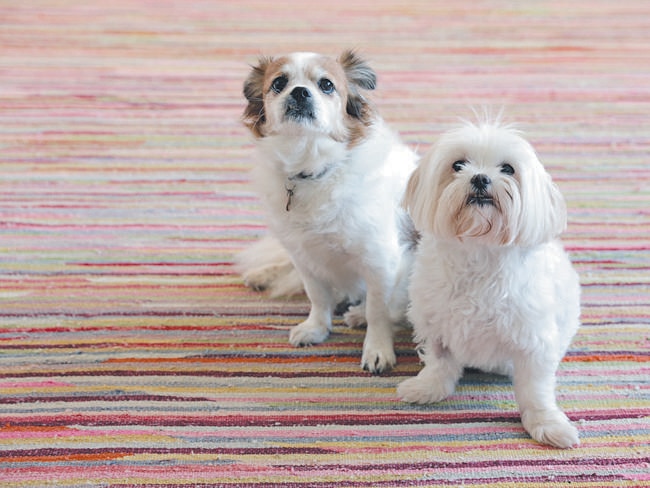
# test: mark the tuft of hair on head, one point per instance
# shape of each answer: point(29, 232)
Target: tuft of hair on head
point(487, 116)
point(254, 116)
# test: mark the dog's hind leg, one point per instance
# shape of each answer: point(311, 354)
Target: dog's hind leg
point(266, 265)
point(355, 316)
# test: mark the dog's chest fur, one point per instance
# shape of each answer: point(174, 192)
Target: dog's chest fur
point(334, 208)
point(485, 304)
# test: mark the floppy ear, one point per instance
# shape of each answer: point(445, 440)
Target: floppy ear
point(544, 216)
point(254, 116)
point(412, 187)
point(418, 200)
point(358, 71)
point(360, 76)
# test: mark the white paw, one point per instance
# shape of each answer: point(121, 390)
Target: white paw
point(424, 389)
point(378, 359)
point(267, 265)
point(355, 316)
point(260, 279)
point(309, 332)
point(550, 427)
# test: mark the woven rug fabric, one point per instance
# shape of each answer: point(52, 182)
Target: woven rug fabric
point(131, 354)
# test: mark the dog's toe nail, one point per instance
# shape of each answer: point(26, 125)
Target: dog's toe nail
point(377, 368)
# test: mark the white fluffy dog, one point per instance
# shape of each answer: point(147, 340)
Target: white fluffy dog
point(492, 287)
point(331, 175)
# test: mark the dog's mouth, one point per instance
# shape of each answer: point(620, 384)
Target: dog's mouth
point(299, 114)
point(480, 199)
point(299, 111)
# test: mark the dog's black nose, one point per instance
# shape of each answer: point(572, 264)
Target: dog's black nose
point(300, 105)
point(300, 93)
point(481, 181)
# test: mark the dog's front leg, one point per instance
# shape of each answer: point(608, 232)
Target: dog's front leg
point(317, 327)
point(378, 350)
point(437, 380)
point(534, 384)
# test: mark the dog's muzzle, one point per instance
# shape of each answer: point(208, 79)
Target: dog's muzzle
point(300, 104)
point(480, 195)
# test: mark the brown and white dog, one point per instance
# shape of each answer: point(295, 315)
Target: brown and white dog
point(331, 175)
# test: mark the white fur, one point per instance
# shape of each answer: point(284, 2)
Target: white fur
point(340, 226)
point(267, 265)
point(491, 287)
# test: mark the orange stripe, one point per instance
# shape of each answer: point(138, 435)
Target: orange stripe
point(299, 359)
point(592, 358)
point(31, 428)
point(71, 457)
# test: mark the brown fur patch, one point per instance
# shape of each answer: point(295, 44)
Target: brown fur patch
point(255, 87)
point(360, 76)
point(350, 74)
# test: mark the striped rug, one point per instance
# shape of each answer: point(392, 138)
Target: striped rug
point(130, 352)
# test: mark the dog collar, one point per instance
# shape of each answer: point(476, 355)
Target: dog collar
point(302, 176)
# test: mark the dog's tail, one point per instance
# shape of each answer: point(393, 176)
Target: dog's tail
point(266, 265)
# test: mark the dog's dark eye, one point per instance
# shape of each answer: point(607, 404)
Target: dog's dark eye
point(279, 83)
point(459, 165)
point(326, 86)
point(507, 169)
